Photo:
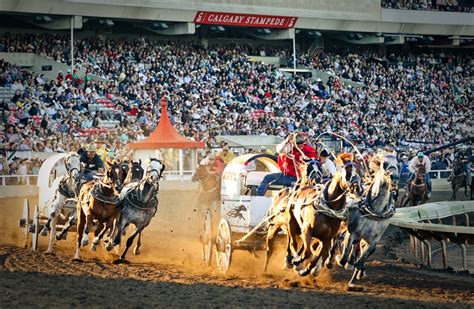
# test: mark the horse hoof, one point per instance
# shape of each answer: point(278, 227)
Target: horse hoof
point(136, 251)
point(78, 260)
point(296, 261)
point(44, 232)
point(361, 274)
point(348, 267)
point(93, 247)
point(328, 265)
point(354, 288)
point(85, 242)
point(48, 253)
point(120, 261)
point(109, 246)
point(304, 272)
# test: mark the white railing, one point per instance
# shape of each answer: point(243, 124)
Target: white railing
point(26, 180)
point(438, 173)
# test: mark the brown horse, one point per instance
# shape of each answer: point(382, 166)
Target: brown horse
point(209, 187)
point(282, 218)
point(417, 191)
point(320, 217)
point(98, 200)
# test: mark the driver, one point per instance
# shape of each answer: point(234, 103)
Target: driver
point(292, 152)
point(421, 160)
point(91, 162)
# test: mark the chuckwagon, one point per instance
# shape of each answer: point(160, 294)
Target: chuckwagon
point(50, 175)
point(241, 213)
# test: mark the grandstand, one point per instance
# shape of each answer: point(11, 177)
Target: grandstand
point(378, 74)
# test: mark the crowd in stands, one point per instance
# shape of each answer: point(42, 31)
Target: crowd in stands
point(430, 5)
point(219, 91)
point(19, 166)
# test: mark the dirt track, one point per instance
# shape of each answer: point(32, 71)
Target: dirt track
point(169, 273)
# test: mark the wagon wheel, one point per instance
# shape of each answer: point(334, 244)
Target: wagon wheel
point(25, 222)
point(206, 238)
point(223, 246)
point(34, 243)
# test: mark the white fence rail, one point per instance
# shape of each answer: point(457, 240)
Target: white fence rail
point(26, 180)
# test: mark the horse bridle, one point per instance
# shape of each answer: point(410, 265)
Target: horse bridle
point(160, 172)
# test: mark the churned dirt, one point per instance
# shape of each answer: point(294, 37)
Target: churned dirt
point(169, 272)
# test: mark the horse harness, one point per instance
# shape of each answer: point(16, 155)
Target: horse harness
point(100, 196)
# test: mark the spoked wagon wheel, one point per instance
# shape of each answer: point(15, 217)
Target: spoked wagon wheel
point(25, 222)
point(206, 238)
point(223, 246)
point(34, 244)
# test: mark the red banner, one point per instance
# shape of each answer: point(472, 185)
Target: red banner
point(244, 20)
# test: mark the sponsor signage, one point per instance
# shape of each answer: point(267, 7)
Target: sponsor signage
point(244, 20)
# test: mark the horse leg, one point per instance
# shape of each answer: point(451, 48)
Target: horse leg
point(119, 228)
point(329, 261)
point(81, 222)
point(359, 271)
point(70, 222)
point(51, 234)
point(317, 265)
point(128, 245)
point(306, 249)
point(100, 230)
point(273, 229)
point(347, 246)
point(136, 250)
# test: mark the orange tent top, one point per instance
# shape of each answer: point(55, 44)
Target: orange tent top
point(165, 135)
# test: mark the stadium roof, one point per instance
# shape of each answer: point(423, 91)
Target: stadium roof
point(165, 136)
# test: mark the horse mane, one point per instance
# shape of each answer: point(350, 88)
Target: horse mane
point(335, 181)
point(344, 157)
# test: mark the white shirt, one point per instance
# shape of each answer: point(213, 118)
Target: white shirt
point(328, 168)
point(415, 162)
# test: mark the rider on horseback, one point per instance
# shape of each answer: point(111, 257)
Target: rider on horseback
point(465, 157)
point(421, 160)
point(292, 152)
point(91, 161)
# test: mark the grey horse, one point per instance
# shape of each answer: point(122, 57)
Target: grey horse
point(139, 203)
point(367, 223)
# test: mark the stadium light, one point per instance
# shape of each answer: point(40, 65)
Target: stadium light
point(267, 31)
point(109, 22)
point(220, 28)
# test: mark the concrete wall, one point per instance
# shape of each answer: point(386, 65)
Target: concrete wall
point(35, 63)
point(341, 15)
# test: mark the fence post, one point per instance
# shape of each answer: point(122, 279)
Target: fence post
point(467, 219)
point(428, 253)
point(464, 257)
point(444, 254)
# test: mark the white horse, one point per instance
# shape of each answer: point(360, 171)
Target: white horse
point(66, 192)
point(138, 203)
point(367, 223)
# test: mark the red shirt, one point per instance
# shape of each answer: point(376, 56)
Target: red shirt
point(287, 165)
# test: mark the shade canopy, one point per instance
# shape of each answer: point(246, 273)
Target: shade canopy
point(165, 136)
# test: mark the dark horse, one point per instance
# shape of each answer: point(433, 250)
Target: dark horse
point(417, 191)
point(98, 201)
point(209, 188)
point(138, 205)
point(459, 178)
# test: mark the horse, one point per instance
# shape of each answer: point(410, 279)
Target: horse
point(459, 178)
point(321, 217)
point(138, 204)
point(134, 171)
point(417, 191)
point(209, 188)
point(98, 200)
point(368, 222)
point(67, 191)
point(280, 212)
